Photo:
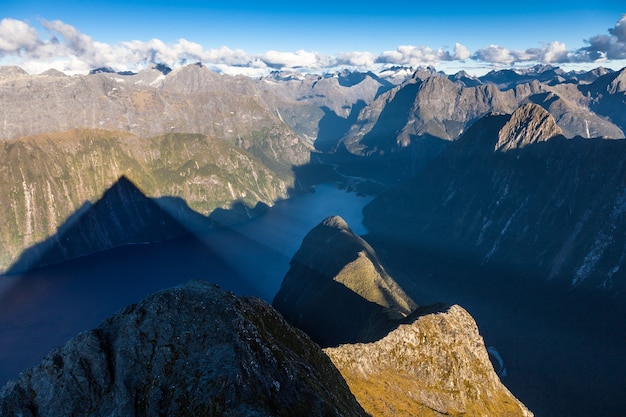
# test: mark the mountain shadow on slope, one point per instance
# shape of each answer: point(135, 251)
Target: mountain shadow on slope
point(43, 306)
point(529, 235)
point(125, 215)
point(332, 127)
point(395, 356)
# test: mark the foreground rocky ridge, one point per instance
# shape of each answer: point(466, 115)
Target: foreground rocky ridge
point(397, 359)
point(433, 364)
point(192, 350)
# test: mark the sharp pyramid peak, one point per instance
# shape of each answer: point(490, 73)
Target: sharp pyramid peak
point(528, 124)
point(336, 222)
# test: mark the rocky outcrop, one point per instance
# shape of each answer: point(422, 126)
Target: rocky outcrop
point(46, 180)
point(192, 350)
point(337, 291)
point(528, 124)
point(433, 365)
point(320, 108)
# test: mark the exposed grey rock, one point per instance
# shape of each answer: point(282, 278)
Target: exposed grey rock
point(194, 350)
point(528, 124)
point(190, 99)
point(397, 359)
point(433, 106)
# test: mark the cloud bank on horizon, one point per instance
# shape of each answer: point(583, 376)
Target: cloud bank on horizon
point(61, 46)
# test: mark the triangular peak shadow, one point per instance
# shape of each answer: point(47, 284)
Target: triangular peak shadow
point(124, 215)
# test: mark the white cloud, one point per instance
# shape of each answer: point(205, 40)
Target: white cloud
point(357, 59)
point(602, 47)
point(15, 36)
point(495, 54)
point(414, 56)
point(554, 52)
point(63, 47)
point(298, 59)
point(461, 53)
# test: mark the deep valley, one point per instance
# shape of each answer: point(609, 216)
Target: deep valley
point(473, 215)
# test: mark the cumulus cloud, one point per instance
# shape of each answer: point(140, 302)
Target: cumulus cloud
point(356, 59)
point(554, 52)
point(298, 59)
point(63, 47)
point(461, 53)
point(606, 46)
point(16, 36)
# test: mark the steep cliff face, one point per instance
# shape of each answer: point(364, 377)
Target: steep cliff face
point(192, 350)
point(337, 291)
point(433, 365)
point(529, 124)
point(608, 95)
point(513, 192)
point(46, 179)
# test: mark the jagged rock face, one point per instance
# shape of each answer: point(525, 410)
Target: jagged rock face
point(434, 365)
point(192, 350)
point(334, 267)
point(320, 108)
point(553, 208)
point(529, 124)
point(608, 95)
point(48, 178)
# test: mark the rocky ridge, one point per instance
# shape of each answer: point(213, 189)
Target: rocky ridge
point(397, 358)
point(338, 268)
point(191, 350)
point(434, 364)
point(413, 122)
point(190, 99)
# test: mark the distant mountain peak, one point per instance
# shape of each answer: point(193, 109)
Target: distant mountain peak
point(11, 71)
point(528, 124)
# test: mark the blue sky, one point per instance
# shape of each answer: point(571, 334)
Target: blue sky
point(330, 29)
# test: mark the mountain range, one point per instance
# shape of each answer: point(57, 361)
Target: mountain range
point(505, 192)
